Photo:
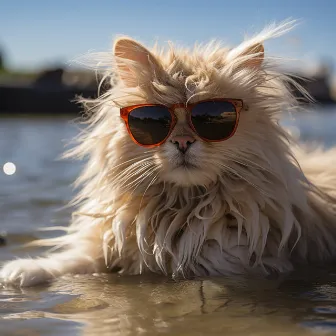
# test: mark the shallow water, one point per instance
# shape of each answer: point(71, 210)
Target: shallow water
point(299, 304)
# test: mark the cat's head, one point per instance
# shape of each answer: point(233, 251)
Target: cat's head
point(182, 76)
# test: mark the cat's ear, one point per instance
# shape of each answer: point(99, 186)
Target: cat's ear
point(256, 55)
point(134, 62)
point(251, 56)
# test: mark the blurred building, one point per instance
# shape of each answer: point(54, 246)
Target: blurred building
point(54, 91)
point(318, 84)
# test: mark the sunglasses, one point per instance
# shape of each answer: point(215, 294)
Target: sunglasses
point(150, 125)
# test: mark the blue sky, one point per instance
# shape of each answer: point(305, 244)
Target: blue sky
point(37, 33)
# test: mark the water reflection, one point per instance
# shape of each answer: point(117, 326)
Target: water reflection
point(111, 304)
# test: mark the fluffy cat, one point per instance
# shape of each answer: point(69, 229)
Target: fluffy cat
point(250, 205)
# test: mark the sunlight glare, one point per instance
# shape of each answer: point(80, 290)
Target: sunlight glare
point(9, 168)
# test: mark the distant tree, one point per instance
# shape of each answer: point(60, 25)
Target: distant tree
point(2, 64)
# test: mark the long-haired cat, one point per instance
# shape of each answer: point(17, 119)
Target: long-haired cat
point(188, 206)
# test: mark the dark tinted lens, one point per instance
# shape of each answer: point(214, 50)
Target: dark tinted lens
point(214, 120)
point(149, 124)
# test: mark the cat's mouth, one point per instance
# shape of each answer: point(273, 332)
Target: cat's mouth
point(187, 172)
point(186, 164)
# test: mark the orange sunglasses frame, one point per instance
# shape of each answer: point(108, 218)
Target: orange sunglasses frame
point(237, 103)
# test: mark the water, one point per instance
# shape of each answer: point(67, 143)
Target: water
point(299, 304)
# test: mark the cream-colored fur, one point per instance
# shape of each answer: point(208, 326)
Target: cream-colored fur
point(246, 207)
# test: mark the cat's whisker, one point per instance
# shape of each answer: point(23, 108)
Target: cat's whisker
point(139, 179)
point(149, 185)
point(233, 171)
point(146, 168)
point(142, 158)
point(252, 163)
point(132, 168)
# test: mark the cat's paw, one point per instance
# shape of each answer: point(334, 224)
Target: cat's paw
point(24, 273)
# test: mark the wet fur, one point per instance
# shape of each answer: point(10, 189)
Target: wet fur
point(247, 207)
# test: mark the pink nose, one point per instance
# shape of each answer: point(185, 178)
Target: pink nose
point(183, 142)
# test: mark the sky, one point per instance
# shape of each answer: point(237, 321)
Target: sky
point(41, 33)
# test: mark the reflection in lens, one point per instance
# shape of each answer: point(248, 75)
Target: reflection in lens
point(214, 120)
point(149, 125)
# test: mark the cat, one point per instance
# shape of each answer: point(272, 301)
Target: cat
point(253, 203)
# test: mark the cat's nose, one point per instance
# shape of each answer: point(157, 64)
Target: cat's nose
point(183, 142)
